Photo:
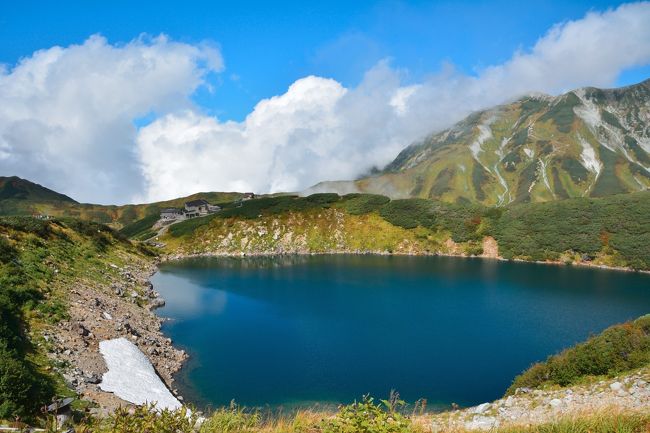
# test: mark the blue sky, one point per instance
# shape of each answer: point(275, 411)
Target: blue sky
point(277, 96)
point(266, 46)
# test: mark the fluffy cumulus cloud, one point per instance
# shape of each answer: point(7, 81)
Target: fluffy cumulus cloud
point(67, 114)
point(319, 130)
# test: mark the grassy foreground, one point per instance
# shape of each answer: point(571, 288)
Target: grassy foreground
point(366, 416)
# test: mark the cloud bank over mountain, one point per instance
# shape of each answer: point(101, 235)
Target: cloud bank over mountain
point(117, 123)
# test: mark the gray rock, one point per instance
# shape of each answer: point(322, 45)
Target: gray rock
point(81, 330)
point(92, 379)
point(157, 303)
point(616, 386)
point(482, 423)
point(481, 408)
point(556, 402)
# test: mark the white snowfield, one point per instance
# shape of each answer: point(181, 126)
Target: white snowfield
point(131, 376)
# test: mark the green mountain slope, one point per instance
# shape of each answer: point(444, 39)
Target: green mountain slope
point(586, 143)
point(15, 188)
point(22, 197)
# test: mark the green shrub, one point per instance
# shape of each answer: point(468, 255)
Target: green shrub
point(145, 235)
point(584, 225)
point(22, 387)
point(233, 419)
point(40, 228)
point(618, 349)
point(359, 204)
point(101, 235)
point(368, 417)
point(7, 252)
point(149, 419)
point(409, 213)
point(323, 199)
point(140, 226)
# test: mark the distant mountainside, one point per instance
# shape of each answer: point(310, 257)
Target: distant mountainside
point(20, 189)
point(21, 197)
point(587, 142)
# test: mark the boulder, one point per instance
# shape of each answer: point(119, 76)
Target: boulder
point(81, 330)
point(481, 408)
point(157, 303)
point(616, 386)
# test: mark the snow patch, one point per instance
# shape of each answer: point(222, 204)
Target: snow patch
point(588, 112)
point(530, 153)
point(607, 135)
point(131, 376)
point(588, 156)
point(484, 134)
point(532, 185)
point(543, 164)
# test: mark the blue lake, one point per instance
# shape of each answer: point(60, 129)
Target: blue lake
point(298, 330)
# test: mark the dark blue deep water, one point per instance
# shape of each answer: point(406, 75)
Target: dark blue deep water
point(299, 330)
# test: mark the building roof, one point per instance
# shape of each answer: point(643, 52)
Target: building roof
point(170, 210)
point(199, 202)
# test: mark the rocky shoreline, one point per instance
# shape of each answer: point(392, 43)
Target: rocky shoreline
point(490, 249)
point(527, 407)
point(98, 312)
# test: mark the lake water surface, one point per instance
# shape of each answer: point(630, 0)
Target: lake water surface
point(298, 330)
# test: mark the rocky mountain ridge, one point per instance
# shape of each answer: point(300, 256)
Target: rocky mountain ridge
point(585, 143)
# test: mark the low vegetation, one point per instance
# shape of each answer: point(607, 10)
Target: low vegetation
point(360, 417)
point(616, 227)
point(361, 204)
point(610, 231)
point(39, 261)
point(141, 226)
point(616, 350)
point(365, 416)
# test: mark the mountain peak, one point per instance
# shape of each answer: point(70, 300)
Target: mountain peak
point(585, 142)
point(14, 187)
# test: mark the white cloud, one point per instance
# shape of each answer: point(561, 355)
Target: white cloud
point(84, 98)
point(67, 114)
point(319, 130)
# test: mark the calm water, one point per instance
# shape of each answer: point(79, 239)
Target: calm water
point(299, 330)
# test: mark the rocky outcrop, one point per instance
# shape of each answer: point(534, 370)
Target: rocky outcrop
point(627, 393)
